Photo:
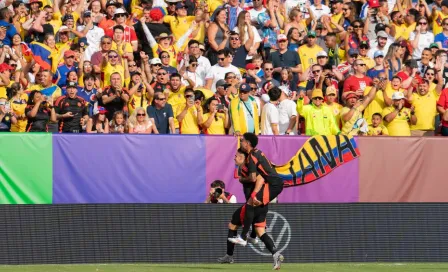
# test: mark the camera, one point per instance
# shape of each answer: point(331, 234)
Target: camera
point(217, 193)
point(220, 107)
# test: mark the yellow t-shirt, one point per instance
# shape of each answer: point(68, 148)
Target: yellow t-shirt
point(400, 31)
point(136, 102)
point(127, 48)
point(425, 110)
point(352, 126)
point(172, 51)
point(400, 125)
point(336, 18)
point(19, 109)
point(175, 99)
point(189, 124)
point(308, 56)
point(39, 88)
point(336, 110)
point(408, 30)
point(437, 23)
point(179, 26)
point(3, 89)
point(375, 106)
point(376, 131)
point(109, 70)
point(217, 127)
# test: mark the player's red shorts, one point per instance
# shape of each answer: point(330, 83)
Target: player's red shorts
point(259, 219)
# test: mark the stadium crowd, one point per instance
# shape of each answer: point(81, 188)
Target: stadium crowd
point(271, 67)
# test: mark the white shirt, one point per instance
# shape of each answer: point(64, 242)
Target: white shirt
point(199, 82)
point(231, 200)
point(424, 41)
point(374, 47)
point(202, 69)
point(217, 72)
point(254, 14)
point(93, 37)
point(323, 10)
point(286, 109)
point(269, 116)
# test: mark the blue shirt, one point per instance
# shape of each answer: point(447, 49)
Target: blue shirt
point(90, 98)
point(442, 39)
point(10, 32)
point(62, 72)
point(372, 73)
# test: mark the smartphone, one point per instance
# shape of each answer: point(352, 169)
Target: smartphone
point(220, 107)
point(7, 106)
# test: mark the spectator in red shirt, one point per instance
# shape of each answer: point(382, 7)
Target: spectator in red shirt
point(129, 36)
point(442, 108)
point(409, 73)
point(359, 81)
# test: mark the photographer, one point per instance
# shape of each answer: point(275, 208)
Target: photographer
point(218, 193)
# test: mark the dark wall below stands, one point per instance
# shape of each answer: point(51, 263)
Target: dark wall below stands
point(35, 234)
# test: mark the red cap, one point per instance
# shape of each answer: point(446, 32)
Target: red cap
point(69, 53)
point(102, 110)
point(351, 95)
point(4, 67)
point(374, 3)
point(251, 66)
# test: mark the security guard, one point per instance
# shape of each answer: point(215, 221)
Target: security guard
point(71, 110)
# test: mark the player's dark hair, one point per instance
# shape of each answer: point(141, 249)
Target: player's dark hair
point(173, 75)
point(251, 138)
point(218, 183)
point(377, 114)
point(241, 151)
point(274, 93)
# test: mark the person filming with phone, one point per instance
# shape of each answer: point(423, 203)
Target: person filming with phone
point(190, 115)
point(218, 193)
point(216, 119)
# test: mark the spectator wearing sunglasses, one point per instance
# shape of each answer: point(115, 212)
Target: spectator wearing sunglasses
point(421, 38)
point(358, 81)
point(139, 122)
point(441, 39)
point(161, 114)
point(120, 17)
point(112, 65)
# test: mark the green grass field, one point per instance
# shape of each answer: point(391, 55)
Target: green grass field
point(326, 267)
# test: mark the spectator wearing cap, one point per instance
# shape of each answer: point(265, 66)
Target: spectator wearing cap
point(34, 6)
point(434, 48)
point(98, 123)
point(164, 42)
point(119, 44)
point(287, 111)
point(60, 77)
point(91, 33)
point(120, 17)
point(424, 102)
point(421, 38)
point(39, 111)
point(108, 21)
point(161, 114)
point(240, 50)
point(71, 111)
point(271, 24)
point(331, 98)
point(64, 39)
point(219, 70)
point(189, 115)
point(352, 119)
point(285, 58)
point(441, 39)
point(358, 82)
point(363, 49)
point(308, 52)
point(438, 16)
point(244, 112)
point(154, 22)
point(111, 65)
point(319, 119)
point(346, 67)
point(222, 93)
point(382, 44)
point(378, 57)
point(5, 78)
point(216, 119)
point(251, 73)
point(398, 118)
point(270, 115)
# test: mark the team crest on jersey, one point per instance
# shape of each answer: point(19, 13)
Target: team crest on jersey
point(79, 104)
point(66, 104)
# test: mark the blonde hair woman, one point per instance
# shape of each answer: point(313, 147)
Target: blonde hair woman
point(139, 122)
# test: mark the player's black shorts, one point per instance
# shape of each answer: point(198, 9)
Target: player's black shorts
point(259, 219)
point(269, 192)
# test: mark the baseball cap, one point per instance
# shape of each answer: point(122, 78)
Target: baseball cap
point(380, 27)
point(350, 95)
point(120, 11)
point(381, 34)
point(363, 44)
point(282, 37)
point(374, 3)
point(83, 40)
point(412, 63)
point(71, 84)
point(331, 90)
point(444, 3)
point(67, 17)
point(353, 51)
point(180, 5)
point(317, 93)
point(251, 66)
point(222, 83)
point(36, 1)
point(69, 53)
point(87, 13)
point(311, 34)
point(4, 67)
point(245, 88)
point(155, 61)
point(434, 45)
point(322, 54)
point(265, 98)
point(201, 47)
point(101, 110)
point(63, 29)
point(397, 96)
point(113, 3)
point(378, 53)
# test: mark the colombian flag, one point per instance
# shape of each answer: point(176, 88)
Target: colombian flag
point(41, 55)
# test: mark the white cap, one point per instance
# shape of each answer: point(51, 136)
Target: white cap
point(322, 54)
point(155, 61)
point(397, 96)
point(120, 11)
point(265, 98)
point(285, 89)
point(63, 28)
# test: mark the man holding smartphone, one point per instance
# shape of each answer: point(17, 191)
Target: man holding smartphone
point(190, 114)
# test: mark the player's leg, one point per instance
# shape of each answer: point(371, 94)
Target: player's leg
point(249, 214)
point(232, 233)
point(252, 239)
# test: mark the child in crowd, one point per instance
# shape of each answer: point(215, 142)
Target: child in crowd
point(377, 128)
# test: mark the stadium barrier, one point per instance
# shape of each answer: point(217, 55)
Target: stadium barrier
point(174, 233)
point(83, 169)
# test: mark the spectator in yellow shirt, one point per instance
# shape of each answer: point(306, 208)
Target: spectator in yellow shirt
point(376, 128)
point(216, 120)
point(330, 100)
point(123, 48)
point(112, 65)
point(398, 117)
point(190, 114)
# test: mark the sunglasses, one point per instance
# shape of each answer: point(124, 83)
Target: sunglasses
point(322, 57)
point(422, 23)
point(120, 15)
point(13, 65)
point(282, 41)
point(428, 74)
point(132, 65)
point(165, 57)
point(234, 39)
point(161, 99)
point(106, 43)
point(316, 71)
point(141, 114)
point(269, 69)
point(161, 74)
point(353, 56)
point(254, 89)
point(361, 64)
point(172, 4)
point(189, 96)
point(231, 77)
point(357, 26)
point(318, 98)
point(221, 59)
point(158, 64)
point(363, 47)
point(113, 56)
point(194, 64)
